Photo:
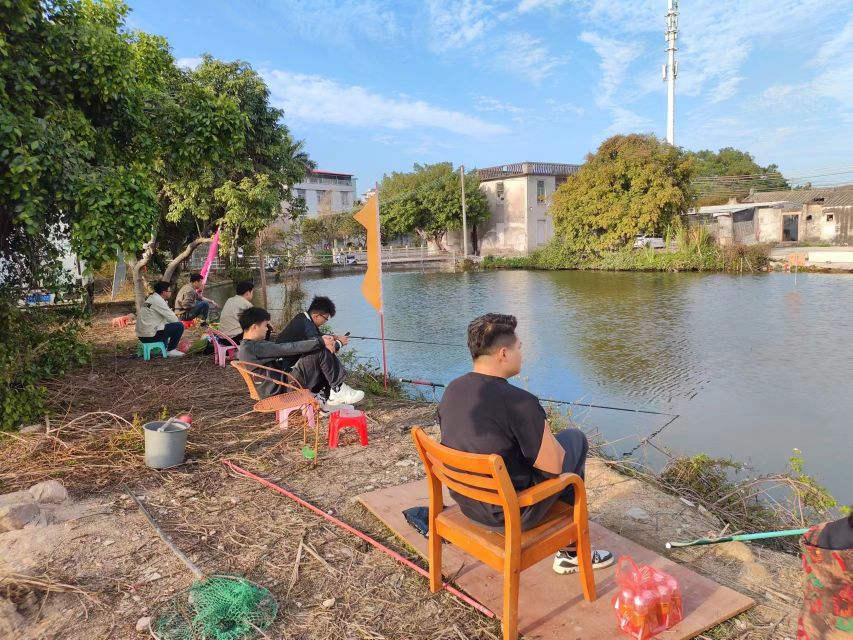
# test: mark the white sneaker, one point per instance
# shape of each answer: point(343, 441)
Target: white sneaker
point(174, 353)
point(345, 395)
point(566, 561)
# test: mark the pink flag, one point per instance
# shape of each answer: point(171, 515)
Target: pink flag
point(211, 254)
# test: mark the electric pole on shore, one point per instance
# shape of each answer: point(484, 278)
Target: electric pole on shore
point(670, 70)
point(464, 217)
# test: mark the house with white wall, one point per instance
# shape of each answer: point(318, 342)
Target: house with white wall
point(326, 192)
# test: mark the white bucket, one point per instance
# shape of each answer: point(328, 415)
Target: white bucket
point(167, 448)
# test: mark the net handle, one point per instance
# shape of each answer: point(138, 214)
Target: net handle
point(164, 537)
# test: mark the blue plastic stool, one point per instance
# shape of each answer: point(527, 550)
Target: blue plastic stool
point(147, 347)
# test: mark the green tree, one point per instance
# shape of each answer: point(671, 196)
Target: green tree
point(428, 201)
point(730, 173)
point(632, 184)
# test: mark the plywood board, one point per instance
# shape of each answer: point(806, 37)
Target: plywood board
point(552, 605)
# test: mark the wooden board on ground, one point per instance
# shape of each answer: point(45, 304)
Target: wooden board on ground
point(552, 605)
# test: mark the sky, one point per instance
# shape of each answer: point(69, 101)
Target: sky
point(374, 86)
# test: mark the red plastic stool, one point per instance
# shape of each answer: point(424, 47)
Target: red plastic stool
point(347, 418)
point(188, 324)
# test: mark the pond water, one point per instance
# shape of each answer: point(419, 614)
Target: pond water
point(754, 365)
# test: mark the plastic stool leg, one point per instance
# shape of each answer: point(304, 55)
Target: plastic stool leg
point(362, 432)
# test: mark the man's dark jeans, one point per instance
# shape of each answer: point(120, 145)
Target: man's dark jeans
point(200, 309)
point(319, 371)
point(170, 335)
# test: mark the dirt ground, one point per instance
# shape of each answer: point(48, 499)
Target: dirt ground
point(97, 567)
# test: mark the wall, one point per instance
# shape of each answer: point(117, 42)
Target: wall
point(820, 229)
point(537, 212)
point(768, 227)
point(506, 231)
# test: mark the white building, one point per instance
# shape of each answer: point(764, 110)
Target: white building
point(519, 196)
point(327, 192)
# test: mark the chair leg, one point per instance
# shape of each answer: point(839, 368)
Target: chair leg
point(434, 561)
point(587, 576)
point(510, 621)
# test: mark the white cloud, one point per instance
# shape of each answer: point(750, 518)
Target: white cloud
point(457, 24)
point(188, 63)
point(626, 121)
point(338, 20)
point(530, 5)
point(726, 88)
point(316, 99)
point(615, 58)
point(528, 57)
point(485, 103)
point(838, 47)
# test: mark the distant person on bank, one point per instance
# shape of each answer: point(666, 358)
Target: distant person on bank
point(481, 412)
point(827, 611)
point(158, 323)
point(256, 349)
point(229, 319)
point(190, 304)
point(323, 372)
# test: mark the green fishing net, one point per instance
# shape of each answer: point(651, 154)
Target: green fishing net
point(219, 608)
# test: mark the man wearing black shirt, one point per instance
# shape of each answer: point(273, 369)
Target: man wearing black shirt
point(320, 371)
point(481, 412)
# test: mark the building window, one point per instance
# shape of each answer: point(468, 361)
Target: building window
point(320, 195)
point(300, 193)
point(499, 190)
point(344, 198)
point(830, 217)
point(540, 191)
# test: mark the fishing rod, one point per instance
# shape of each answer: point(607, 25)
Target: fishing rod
point(741, 537)
point(435, 344)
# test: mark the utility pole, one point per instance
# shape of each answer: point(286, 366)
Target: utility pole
point(670, 70)
point(464, 216)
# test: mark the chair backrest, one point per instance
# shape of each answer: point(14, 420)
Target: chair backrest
point(252, 372)
point(480, 477)
point(219, 334)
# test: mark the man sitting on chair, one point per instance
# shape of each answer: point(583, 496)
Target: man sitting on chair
point(481, 412)
point(190, 304)
point(229, 318)
point(256, 349)
point(323, 371)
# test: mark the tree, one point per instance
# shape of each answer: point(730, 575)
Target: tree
point(632, 184)
point(732, 173)
point(240, 185)
point(428, 201)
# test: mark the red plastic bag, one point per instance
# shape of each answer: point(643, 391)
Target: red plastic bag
point(648, 601)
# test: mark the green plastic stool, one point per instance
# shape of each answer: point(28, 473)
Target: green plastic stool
point(145, 348)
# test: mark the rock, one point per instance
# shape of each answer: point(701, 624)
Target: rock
point(328, 604)
point(107, 543)
point(16, 497)
point(151, 577)
point(49, 492)
point(142, 624)
point(34, 428)
point(17, 516)
point(640, 515)
point(405, 463)
point(11, 622)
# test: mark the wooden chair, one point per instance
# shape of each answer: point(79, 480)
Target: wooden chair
point(293, 398)
point(485, 478)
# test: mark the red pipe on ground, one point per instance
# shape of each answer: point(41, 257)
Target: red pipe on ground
point(405, 561)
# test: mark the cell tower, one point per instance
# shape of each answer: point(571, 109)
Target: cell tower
point(670, 70)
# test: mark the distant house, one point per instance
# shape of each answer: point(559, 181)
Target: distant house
point(518, 197)
point(824, 215)
point(327, 192)
point(746, 222)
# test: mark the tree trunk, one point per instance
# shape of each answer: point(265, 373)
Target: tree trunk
point(138, 265)
point(176, 262)
point(475, 240)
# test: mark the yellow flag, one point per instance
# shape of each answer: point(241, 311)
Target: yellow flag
point(371, 287)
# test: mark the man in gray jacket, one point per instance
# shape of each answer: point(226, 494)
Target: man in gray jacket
point(158, 323)
point(256, 349)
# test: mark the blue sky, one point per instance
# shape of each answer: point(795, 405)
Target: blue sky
point(374, 86)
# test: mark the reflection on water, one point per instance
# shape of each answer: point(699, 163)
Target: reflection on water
point(755, 365)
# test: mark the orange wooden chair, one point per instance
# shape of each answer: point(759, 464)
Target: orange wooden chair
point(294, 397)
point(485, 478)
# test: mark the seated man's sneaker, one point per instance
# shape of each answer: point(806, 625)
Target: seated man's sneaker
point(345, 395)
point(174, 353)
point(566, 561)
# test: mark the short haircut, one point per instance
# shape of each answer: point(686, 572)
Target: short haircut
point(322, 304)
point(195, 277)
point(491, 332)
point(160, 287)
point(252, 316)
point(243, 287)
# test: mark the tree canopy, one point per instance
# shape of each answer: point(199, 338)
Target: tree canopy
point(731, 172)
point(632, 184)
point(428, 201)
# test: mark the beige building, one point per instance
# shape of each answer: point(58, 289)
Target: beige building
point(519, 196)
point(327, 192)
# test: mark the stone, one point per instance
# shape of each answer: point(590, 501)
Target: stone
point(16, 497)
point(142, 624)
point(328, 604)
point(49, 492)
point(405, 463)
point(640, 515)
point(107, 543)
point(11, 622)
point(17, 516)
point(34, 428)
point(151, 577)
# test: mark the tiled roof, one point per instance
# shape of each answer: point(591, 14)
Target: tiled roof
point(831, 197)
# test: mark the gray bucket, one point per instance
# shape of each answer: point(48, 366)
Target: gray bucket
point(164, 449)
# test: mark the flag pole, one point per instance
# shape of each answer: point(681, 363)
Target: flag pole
point(381, 297)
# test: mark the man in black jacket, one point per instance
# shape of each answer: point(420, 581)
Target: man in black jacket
point(322, 371)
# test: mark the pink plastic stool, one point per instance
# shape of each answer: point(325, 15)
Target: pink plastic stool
point(347, 418)
point(121, 321)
